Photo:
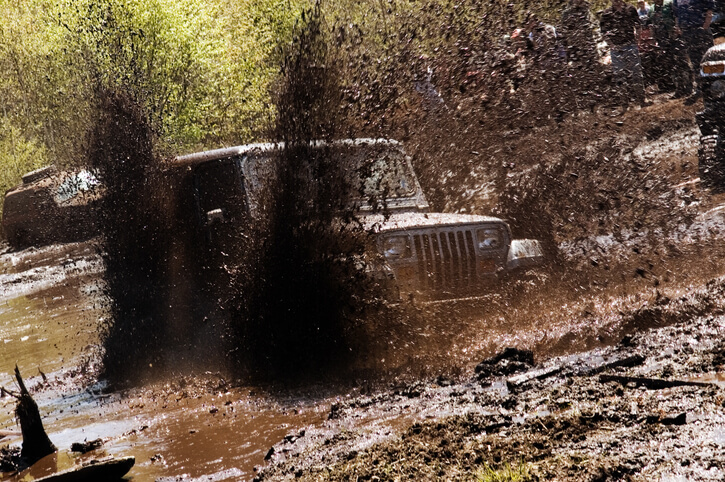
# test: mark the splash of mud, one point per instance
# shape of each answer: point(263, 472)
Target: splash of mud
point(303, 298)
point(132, 251)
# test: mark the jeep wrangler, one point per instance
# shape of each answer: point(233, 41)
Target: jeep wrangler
point(51, 206)
point(711, 120)
point(429, 255)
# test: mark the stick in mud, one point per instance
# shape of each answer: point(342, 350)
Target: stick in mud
point(36, 443)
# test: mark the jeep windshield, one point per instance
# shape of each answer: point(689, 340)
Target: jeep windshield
point(378, 172)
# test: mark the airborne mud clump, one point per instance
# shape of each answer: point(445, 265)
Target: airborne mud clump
point(132, 250)
point(303, 298)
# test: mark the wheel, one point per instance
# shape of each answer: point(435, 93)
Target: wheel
point(18, 239)
point(711, 162)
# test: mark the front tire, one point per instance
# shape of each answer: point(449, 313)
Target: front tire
point(711, 162)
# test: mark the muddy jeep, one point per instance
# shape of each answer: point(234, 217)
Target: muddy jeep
point(428, 255)
point(436, 255)
point(711, 120)
point(51, 206)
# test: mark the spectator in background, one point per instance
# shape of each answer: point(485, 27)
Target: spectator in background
point(646, 44)
point(693, 19)
point(642, 10)
point(618, 24)
point(577, 36)
point(672, 70)
point(547, 66)
point(541, 39)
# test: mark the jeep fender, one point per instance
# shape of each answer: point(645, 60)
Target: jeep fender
point(524, 253)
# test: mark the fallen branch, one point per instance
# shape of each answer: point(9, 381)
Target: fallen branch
point(36, 443)
point(651, 383)
point(628, 362)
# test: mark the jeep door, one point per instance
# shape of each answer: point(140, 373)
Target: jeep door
point(221, 203)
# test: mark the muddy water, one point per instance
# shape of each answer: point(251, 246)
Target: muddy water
point(204, 427)
point(50, 307)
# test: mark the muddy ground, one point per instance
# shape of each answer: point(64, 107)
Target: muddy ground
point(648, 408)
point(625, 327)
point(633, 288)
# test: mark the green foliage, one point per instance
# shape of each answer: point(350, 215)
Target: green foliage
point(26, 122)
point(201, 70)
point(507, 473)
point(18, 155)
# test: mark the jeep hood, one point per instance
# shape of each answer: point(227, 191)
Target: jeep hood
point(715, 54)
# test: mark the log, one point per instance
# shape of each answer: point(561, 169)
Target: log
point(96, 470)
point(652, 383)
point(36, 443)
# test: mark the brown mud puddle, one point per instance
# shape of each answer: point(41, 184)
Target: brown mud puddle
point(50, 306)
point(205, 427)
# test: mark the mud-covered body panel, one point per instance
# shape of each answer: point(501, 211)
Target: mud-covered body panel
point(51, 206)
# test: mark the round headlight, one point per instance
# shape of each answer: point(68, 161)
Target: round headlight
point(396, 247)
point(489, 238)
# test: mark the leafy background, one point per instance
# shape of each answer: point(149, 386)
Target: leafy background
point(203, 70)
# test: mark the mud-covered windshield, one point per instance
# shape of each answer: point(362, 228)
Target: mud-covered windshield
point(377, 172)
point(374, 172)
point(76, 184)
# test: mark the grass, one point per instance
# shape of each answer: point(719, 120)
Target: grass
point(507, 473)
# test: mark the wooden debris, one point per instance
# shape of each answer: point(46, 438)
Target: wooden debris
point(680, 419)
point(540, 374)
point(627, 362)
point(652, 383)
point(96, 470)
point(36, 443)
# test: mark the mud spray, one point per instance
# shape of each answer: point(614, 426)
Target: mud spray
point(132, 249)
point(307, 295)
point(295, 302)
point(291, 300)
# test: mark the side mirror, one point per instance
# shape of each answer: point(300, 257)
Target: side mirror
point(215, 216)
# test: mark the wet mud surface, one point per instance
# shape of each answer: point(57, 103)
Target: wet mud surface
point(621, 296)
point(648, 408)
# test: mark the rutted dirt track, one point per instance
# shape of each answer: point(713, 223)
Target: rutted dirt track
point(649, 408)
point(634, 282)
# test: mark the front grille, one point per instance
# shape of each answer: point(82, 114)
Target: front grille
point(446, 260)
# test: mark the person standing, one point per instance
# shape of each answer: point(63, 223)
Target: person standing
point(577, 35)
point(642, 10)
point(693, 19)
point(618, 24)
point(672, 68)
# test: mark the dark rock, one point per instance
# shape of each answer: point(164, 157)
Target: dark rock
point(511, 360)
point(443, 381)
point(335, 411)
point(270, 453)
point(86, 446)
